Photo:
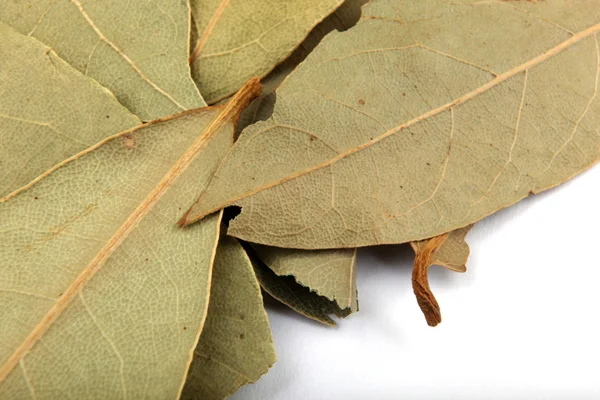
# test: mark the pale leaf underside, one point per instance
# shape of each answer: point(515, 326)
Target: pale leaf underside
point(425, 117)
point(234, 40)
point(346, 16)
point(138, 50)
point(108, 274)
point(296, 296)
point(235, 347)
point(48, 110)
point(329, 273)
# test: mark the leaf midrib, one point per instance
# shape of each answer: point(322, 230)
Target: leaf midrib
point(500, 78)
point(124, 56)
point(228, 112)
point(207, 32)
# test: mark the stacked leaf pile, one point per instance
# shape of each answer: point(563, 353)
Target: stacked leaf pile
point(119, 275)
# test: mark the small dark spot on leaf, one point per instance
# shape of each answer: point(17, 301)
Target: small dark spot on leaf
point(428, 164)
point(184, 328)
point(35, 198)
point(108, 116)
point(312, 137)
point(242, 316)
point(361, 101)
point(242, 336)
point(403, 94)
point(371, 138)
point(146, 259)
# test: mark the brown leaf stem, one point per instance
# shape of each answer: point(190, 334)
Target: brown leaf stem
point(420, 281)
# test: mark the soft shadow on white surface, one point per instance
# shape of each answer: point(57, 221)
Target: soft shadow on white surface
point(522, 323)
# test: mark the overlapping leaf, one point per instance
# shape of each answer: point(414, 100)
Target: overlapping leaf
point(296, 296)
point(425, 117)
point(236, 347)
point(346, 16)
point(234, 40)
point(329, 273)
point(90, 261)
point(139, 50)
point(48, 110)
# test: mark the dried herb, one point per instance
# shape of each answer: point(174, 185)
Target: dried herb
point(138, 50)
point(104, 264)
point(409, 125)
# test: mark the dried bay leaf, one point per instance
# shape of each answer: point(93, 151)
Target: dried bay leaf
point(296, 296)
point(91, 262)
point(329, 273)
point(234, 40)
point(448, 250)
point(49, 111)
point(138, 50)
point(236, 346)
point(425, 117)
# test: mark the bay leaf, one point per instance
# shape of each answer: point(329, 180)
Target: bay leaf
point(138, 50)
point(425, 117)
point(296, 296)
point(236, 346)
point(91, 262)
point(448, 250)
point(234, 40)
point(328, 273)
point(49, 111)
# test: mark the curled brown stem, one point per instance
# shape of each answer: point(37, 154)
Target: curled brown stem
point(420, 281)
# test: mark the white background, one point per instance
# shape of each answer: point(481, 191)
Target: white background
point(522, 323)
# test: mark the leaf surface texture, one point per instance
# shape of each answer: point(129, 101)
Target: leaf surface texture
point(234, 40)
point(296, 296)
point(137, 49)
point(235, 347)
point(329, 273)
point(91, 261)
point(346, 16)
point(425, 117)
point(48, 110)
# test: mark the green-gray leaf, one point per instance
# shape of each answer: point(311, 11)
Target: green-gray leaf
point(329, 273)
point(92, 261)
point(235, 40)
point(139, 50)
point(342, 19)
point(48, 110)
point(425, 117)
point(235, 347)
point(298, 297)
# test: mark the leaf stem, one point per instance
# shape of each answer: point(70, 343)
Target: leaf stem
point(420, 280)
